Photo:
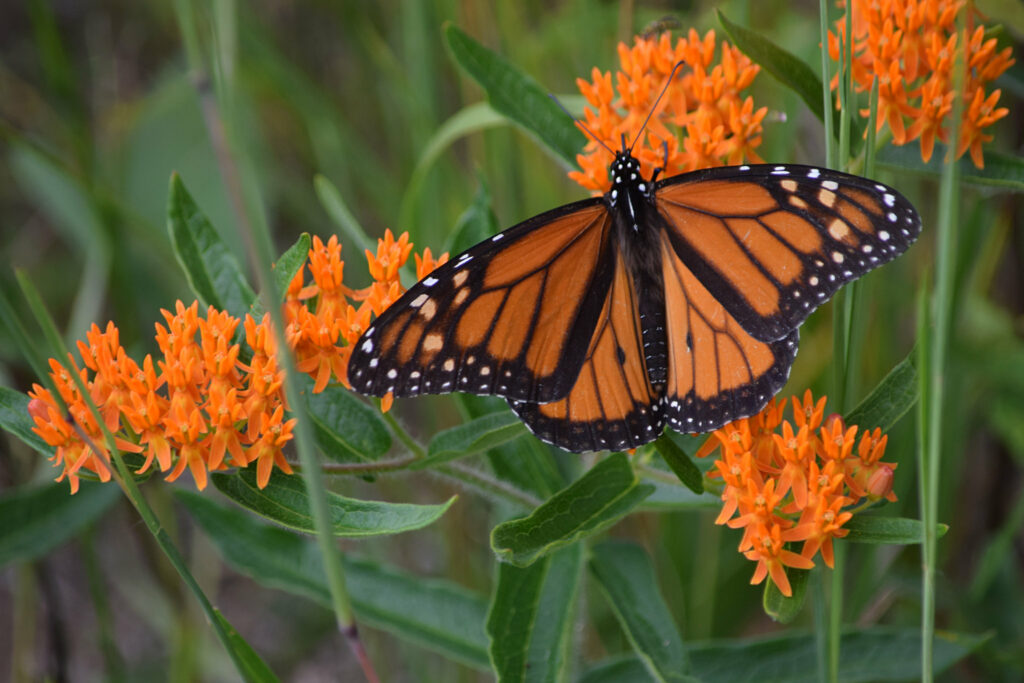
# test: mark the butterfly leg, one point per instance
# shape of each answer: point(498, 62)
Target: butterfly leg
point(664, 165)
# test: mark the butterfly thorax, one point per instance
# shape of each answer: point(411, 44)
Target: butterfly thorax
point(637, 233)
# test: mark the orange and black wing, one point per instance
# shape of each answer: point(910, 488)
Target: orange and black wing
point(772, 243)
point(612, 405)
point(506, 317)
point(717, 371)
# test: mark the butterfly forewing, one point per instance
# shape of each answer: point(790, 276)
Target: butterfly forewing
point(505, 317)
point(612, 405)
point(772, 243)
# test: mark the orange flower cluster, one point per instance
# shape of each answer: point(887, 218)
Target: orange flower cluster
point(910, 47)
point(795, 486)
point(198, 402)
point(703, 104)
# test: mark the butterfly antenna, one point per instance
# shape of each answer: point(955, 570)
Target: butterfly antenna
point(582, 125)
point(672, 75)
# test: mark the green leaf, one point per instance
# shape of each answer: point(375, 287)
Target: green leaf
point(595, 501)
point(888, 530)
point(688, 472)
point(788, 69)
point(531, 617)
point(290, 262)
point(345, 427)
point(475, 436)
point(517, 96)
point(15, 419)
point(617, 670)
point(890, 400)
point(34, 521)
point(781, 608)
point(668, 496)
point(475, 117)
point(1001, 170)
point(876, 654)
point(284, 271)
point(285, 501)
point(627, 578)
point(211, 268)
point(476, 223)
point(330, 198)
point(252, 667)
point(439, 615)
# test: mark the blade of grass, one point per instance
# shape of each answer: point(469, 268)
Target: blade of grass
point(218, 114)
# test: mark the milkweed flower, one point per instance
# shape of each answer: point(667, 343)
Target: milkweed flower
point(797, 486)
point(703, 108)
point(205, 402)
point(910, 47)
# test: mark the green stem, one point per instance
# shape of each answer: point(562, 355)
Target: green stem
point(488, 484)
point(826, 79)
point(403, 436)
point(945, 271)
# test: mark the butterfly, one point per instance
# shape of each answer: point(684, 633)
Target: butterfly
point(664, 303)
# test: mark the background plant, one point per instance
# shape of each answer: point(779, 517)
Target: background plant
point(347, 118)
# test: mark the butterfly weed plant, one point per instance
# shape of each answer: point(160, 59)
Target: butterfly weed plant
point(216, 400)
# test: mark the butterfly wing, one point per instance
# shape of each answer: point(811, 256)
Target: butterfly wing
point(499, 319)
point(612, 404)
point(717, 371)
point(772, 243)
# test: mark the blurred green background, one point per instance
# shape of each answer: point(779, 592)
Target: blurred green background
point(97, 110)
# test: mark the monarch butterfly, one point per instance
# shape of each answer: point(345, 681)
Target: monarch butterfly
point(662, 303)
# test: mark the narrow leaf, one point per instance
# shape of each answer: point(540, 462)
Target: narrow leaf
point(15, 419)
point(346, 429)
point(592, 503)
point(891, 399)
point(476, 223)
point(875, 654)
point(788, 69)
point(284, 272)
point(517, 96)
point(617, 670)
point(781, 608)
point(627, 578)
point(290, 262)
point(530, 620)
point(252, 667)
point(438, 615)
point(211, 268)
point(339, 212)
point(1001, 170)
point(475, 436)
point(889, 530)
point(34, 521)
point(284, 500)
point(688, 472)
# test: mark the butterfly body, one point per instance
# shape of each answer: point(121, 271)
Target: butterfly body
point(662, 303)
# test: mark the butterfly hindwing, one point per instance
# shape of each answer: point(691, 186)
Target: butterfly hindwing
point(772, 243)
point(498, 319)
point(612, 405)
point(718, 372)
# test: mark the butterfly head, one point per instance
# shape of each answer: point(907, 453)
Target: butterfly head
point(629, 188)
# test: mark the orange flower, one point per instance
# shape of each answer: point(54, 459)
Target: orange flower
point(910, 47)
point(703, 105)
point(197, 402)
point(794, 486)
